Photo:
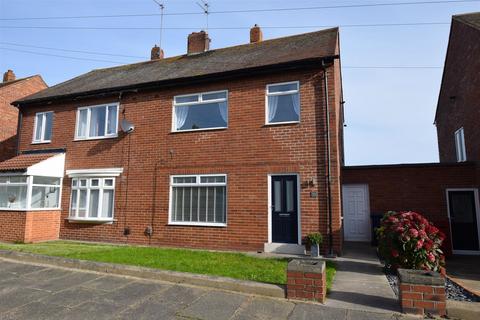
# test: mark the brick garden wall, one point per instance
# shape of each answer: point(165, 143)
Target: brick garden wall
point(9, 114)
point(420, 188)
point(461, 80)
point(247, 152)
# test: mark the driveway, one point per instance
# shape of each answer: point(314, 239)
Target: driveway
point(37, 292)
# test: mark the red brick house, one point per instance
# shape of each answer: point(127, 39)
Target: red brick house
point(445, 192)
point(12, 89)
point(224, 149)
point(458, 109)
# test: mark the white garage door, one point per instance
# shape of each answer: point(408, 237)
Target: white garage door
point(356, 215)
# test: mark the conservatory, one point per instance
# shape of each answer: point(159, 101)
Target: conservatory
point(30, 197)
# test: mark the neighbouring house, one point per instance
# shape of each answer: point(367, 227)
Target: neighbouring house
point(12, 89)
point(225, 149)
point(445, 192)
point(458, 109)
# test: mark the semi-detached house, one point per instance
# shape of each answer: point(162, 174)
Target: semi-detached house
point(235, 148)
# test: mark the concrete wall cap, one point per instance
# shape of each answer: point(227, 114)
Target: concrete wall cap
point(420, 277)
point(306, 265)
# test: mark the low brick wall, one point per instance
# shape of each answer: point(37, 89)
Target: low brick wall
point(421, 292)
point(306, 280)
point(29, 226)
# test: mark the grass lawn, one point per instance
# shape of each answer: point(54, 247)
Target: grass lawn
point(234, 265)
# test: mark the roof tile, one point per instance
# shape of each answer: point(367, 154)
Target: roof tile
point(23, 161)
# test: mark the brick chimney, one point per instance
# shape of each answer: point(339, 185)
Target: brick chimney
point(8, 76)
point(156, 53)
point(256, 34)
point(198, 42)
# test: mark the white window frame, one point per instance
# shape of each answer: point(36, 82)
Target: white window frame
point(42, 138)
point(267, 94)
point(197, 184)
point(30, 185)
point(88, 187)
point(89, 112)
point(460, 150)
point(200, 101)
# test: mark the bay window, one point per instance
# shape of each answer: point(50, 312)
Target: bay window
point(96, 122)
point(92, 198)
point(283, 103)
point(198, 200)
point(29, 192)
point(207, 110)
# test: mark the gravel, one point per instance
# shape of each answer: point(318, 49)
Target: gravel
point(453, 290)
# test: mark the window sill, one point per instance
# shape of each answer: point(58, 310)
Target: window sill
point(281, 123)
point(92, 221)
point(195, 130)
point(95, 138)
point(41, 142)
point(197, 224)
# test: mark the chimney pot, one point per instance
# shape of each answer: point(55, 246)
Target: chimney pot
point(157, 53)
point(256, 34)
point(198, 42)
point(8, 76)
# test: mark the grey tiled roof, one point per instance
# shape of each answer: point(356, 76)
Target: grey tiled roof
point(302, 47)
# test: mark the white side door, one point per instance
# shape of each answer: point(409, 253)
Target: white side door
point(356, 212)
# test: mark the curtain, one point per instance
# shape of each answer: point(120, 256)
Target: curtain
point(181, 113)
point(38, 133)
point(222, 106)
point(296, 104)
point(82, 123)
point(112, 120)
point(272, 107)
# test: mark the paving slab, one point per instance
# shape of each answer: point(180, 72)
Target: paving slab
point(132, 293)
point(265, 309)
point(40, 310)
point(73, 297)
point(215, 305)
point(59, 284)
point(18, 297)
point(107, 283)
point(92, 310)
point(312, 311)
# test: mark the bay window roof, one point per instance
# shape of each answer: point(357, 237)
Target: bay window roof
point(37, 164)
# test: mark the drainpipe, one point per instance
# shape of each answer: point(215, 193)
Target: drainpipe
point(328, 178)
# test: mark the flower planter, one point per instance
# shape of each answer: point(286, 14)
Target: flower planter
point(314, 251)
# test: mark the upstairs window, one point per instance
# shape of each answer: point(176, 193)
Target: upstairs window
point(200, 111)
point(97, 122)
point(460, 145)
point(43, 127)
point(92, 199)
point(198, 200)
point(283, 103)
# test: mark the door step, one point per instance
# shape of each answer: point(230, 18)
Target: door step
point(286, 248)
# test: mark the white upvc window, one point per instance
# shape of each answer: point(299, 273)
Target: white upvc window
point(200, 111)
point(97, 122)
point(30, 192)
point(460, 145)
point(92, 198)
point(42, 132)
point(282, 103)
point(198, 200)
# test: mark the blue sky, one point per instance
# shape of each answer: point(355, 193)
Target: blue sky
point(389, 112)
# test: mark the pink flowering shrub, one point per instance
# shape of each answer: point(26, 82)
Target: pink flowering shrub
point(408, 240)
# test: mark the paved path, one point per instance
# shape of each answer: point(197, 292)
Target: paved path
point(37, 292)
point(465, 270)
point(360, 283)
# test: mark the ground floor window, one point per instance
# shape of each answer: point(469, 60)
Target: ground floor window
point(29, 192)
point(198, 200)
point(92, 198)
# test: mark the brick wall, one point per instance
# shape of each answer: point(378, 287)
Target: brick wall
point(459, 100)
point(9, 114)
point(420, 188)
point(247, 151)
point(29, 226)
